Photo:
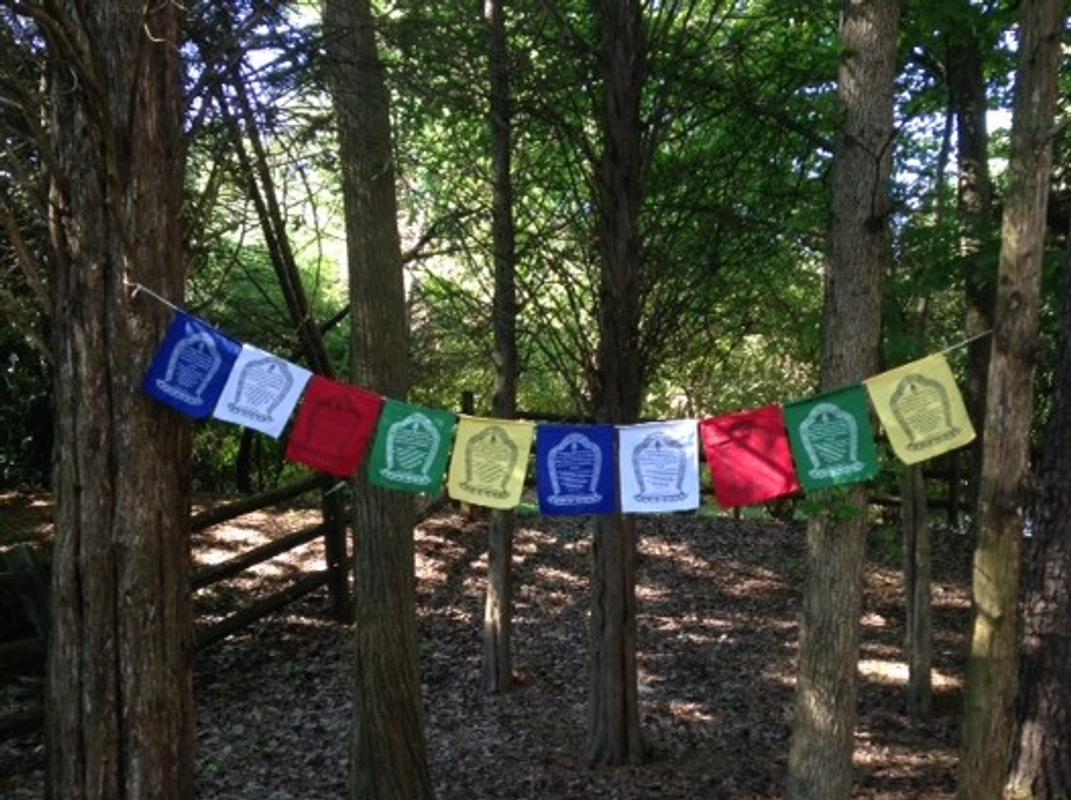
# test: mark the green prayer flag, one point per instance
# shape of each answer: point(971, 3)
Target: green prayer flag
point(412, 448)
point(832, 439)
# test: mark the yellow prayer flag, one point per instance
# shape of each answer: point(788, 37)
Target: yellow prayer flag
point(921, 408)
point(489, 462)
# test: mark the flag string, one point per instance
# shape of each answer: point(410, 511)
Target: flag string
point(140, 287)
point(966, 341)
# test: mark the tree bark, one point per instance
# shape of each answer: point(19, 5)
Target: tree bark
point(993, 658)
point(120, 696)
point(497, 672)
point(918, 590)
point(820, 757)
point(1042, 761)
point(974, 201)
point(614, 735)
point(387, 752)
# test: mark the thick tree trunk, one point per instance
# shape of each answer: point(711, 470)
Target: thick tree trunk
point(918, 588)
point(497, 672)
point(387, 753)
point(820, 758)
point(1042, 763)
point(974, 201)
point(993, 658)
point(614, 735)
point(120, 696)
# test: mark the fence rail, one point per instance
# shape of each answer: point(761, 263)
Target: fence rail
point(23, 572)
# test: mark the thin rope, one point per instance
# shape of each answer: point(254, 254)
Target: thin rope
point(965, 342)
point(335, 488)
point(140, 287)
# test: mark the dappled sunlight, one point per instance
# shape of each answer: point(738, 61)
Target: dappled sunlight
point(650, 594)
point(435, 556)
point(717, 649)
point(951, 597)
point(686, 623)
point(678, 552)
point(887, 757)
point(559, 577)
point(758, 583)
point(688, 711)
point(873, 620)
point(780, 676)
point(882, 650)
point(224, 542)
point(897, 673)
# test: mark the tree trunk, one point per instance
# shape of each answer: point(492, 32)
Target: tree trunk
point(613, 706)
point(387, 752)
point(992, 662)
point(120, 696)
point(918, 589)
point(1042, 763)
point(820, 757)
point(498, 609)
point(966, 84)
point(914, 510)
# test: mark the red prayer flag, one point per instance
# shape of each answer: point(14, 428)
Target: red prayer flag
point(749, 456)
point(334, 427)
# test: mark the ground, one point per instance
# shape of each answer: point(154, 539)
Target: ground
point(718, 601)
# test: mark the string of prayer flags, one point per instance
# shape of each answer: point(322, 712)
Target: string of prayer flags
point(490, 461)
point(658, 464)
point(191, 367)
point(749, 456)
point(754, 456)
point(261, 391)
point(334, 427)
point(921, 408)
point(576, 469)
point(832, 439)
point(411, 448)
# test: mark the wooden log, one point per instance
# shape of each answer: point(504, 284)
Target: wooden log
point(228, 511)
point(16, 578)
point(261, 608)
point(27, 574)
point(231, 567)
point(22, 650)
point(335, 553)
point(24, 720)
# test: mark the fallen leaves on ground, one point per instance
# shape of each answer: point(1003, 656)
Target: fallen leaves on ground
point(717, 633)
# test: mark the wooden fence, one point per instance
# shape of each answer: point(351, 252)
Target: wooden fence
point(24, 571)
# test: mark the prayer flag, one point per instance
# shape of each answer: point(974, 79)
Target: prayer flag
point(750, 457)
point(659, 467)
point(191, 367)
point(575, 465)
point(832, 440)
point(490, 460)
point(261, 391)
point(411, 448)
point(921, 408)
point(334, 427)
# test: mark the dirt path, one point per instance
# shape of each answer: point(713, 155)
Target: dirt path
point(717, 639)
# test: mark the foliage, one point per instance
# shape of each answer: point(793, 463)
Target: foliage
point(738, 121)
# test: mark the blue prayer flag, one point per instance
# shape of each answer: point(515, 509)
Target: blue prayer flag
point(191, 367)
point(577, 469)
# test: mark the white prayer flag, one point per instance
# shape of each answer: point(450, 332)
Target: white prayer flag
point(261, 391)
point(658, 464)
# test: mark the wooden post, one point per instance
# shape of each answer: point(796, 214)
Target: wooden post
point(952, 511)
point(468, 406)
point(334, 511)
